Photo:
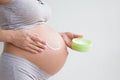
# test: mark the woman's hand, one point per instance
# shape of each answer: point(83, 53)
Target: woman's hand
point(28, 40)
point(68, 36)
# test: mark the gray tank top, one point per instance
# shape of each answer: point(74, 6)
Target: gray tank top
point(23, 14)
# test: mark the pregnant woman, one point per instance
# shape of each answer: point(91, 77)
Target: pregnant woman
point(32, 49)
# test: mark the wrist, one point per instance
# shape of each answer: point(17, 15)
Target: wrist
point(9, 34)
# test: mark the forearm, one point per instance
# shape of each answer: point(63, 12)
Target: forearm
point(5, 35)
point(4, 1)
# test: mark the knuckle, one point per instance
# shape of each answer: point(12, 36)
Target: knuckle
point(26, 48)
point(33, 51)
point(37, 48)
point(24, 42)
point(35, 34)
point(26, 38)
point(25, 45)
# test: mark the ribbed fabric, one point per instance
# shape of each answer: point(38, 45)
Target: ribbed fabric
point(16, 68)
point(23, 14)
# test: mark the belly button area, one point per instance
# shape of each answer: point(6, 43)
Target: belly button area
point(53, 44)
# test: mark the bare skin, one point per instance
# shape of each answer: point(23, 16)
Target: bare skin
point(29, 40)
point(24, 39)
point(48, 59)
point(4, 1)
point(31, 45)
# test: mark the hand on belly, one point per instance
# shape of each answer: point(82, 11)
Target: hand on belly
point(52, 58)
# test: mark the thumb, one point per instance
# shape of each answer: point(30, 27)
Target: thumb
point(67, 41)
point(77, 36)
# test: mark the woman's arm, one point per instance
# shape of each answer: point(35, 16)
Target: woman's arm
point(24, 39)
point(5, 35)
point(4, 1)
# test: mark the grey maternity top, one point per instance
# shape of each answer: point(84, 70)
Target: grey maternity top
point(23, 14)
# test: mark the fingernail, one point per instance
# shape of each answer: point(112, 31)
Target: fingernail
point(45, 46)
point(37, 52)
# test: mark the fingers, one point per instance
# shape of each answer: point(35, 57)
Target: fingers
point(39, 41)
point(39, 47)
point(29, 41)
point(35, 44)
point(67, 40)
point(36, 38)
point(33, 47)
point(33, 50)
point(38, 44)
point(73, 35)
point(77, 35)
point(68, 36)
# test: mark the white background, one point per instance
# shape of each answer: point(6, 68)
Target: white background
point(97, 20)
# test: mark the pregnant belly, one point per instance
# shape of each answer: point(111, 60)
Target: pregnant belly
point(52, 58)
